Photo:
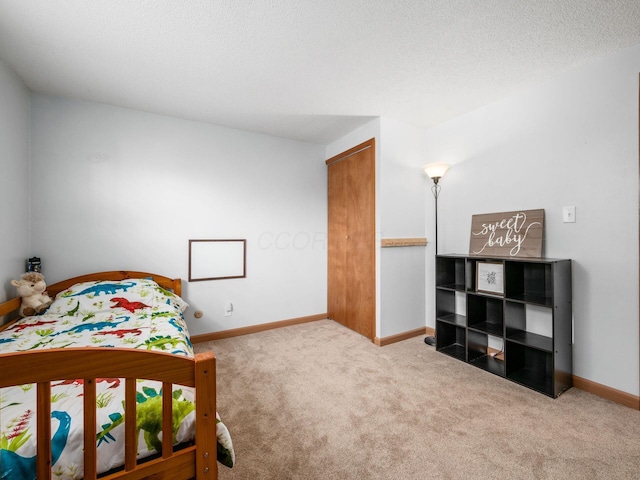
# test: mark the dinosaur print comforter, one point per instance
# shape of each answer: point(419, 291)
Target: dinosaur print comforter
point(134, 313)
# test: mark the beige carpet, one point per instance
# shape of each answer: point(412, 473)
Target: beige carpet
point(318, 401)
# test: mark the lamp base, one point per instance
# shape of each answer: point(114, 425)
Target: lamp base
point(430, 340)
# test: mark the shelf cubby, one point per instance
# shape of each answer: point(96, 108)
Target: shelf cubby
point(450, 274)
point(451, 340)
point(530, 367)
point(485, 314)
point(445, 302)
point(529, 282)
point(479, 356)
point(519, 330)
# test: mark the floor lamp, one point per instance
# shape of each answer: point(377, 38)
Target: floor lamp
point(435, 171)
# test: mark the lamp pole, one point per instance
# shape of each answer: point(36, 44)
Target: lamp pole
point(435, 188)
point(436, 191)
point(435, 171)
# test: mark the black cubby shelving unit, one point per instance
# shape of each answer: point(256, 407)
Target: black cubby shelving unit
point(531, 316)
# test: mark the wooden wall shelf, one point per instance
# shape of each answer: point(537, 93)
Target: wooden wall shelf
point(403, 242)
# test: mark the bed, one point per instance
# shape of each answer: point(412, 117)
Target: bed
point(110, 343)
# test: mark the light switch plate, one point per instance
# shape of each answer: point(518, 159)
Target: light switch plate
point(569, 214)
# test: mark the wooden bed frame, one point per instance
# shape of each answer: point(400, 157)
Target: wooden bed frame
point(44, 366)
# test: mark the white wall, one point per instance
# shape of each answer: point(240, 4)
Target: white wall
point(572, 141)
point(14, 178)
point(402, 215)
point(115, 188)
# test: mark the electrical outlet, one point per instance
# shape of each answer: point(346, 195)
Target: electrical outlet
point(569, 214)
point(228, 309)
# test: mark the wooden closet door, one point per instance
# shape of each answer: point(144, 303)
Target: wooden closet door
point(351, 239)
point(336, 244)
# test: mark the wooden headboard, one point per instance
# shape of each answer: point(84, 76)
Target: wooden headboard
point(173, 284)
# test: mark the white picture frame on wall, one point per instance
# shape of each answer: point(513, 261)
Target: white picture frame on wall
point(217, 259)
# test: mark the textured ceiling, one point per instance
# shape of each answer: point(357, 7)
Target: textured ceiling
point(302, 69)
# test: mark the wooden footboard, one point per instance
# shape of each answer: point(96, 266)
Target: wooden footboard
point(198, 460)
point(44, 366)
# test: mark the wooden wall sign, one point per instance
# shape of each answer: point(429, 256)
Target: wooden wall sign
point(507, 234)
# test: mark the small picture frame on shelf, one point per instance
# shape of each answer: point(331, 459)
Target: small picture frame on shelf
point(490, 277)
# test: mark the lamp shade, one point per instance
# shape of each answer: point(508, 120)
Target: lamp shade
point(436, 170)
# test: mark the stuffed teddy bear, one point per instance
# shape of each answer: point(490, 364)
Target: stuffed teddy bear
point(31, 288)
